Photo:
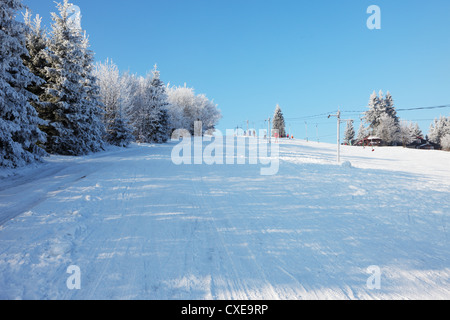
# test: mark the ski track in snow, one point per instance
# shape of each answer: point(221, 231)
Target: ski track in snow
point(140, 227)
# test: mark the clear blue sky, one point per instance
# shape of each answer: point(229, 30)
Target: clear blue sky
point(311, 57)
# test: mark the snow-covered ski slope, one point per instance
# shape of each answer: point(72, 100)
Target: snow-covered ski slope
point(140, 227)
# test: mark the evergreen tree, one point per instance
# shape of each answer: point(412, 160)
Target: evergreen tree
point(439, 129)
point(159, 98)
point(445, 142)
point(362, 132)
point(405, 135)
point(372, 116)
point(36, 61)
point(378, 106)
point(72, 116)
point(433, 132)
point(387, 130)
point(278, 122)
point(415, 131)
point(137, 111)
point(114, 95)
point(388, 107)
point(349, 135)
point(380, 109)
point(19, 132)
point(148, 114)
point(93, 107)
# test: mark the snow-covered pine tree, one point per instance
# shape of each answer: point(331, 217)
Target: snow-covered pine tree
point(130, 85)
point(72, 122)
point(148, 114)
point(163, 131)
point(434, 134)
point(93, 107)
point(388, 107)
point(159, 98)
point(362, 132)
point(415, 131)
point(278, 122)
point(349, 135)
point(36, 61)
point(438, 129)
point(445, 142)
point(381, 108)
point(405, 136)
point(114, 94)
point(19, 132)
point(389, 110)
point(447, 127)
point(387, 129)
point(372, 116)
point(136, 111)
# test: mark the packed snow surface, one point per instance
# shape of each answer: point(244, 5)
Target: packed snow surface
point(139, 227)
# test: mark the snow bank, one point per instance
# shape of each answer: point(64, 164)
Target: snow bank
point(346, 164)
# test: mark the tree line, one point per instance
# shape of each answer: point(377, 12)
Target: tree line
point(381, 120)
point(54, 98)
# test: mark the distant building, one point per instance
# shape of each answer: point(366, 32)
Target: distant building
point(418, 143)
point(370, 141)
point(424, 144)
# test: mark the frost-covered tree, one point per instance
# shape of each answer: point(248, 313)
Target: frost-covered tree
point(185, 108)
point(415, 131)
point(159, 102)
point(445, 142)
point(19, 132)
point(278, 122)
point(114, 94)
point(362, 132)
point(72, 107)
point(388, 106)
point(209, 114)
point(129, 86)
point(148, 114)
point(387, 130)
point(381, 108)
point(36, 61)
point(137, 111)
point(92, 105)
point(372, 116)
point(405, 135)
point(378, 106)
point(439, 128)
point(349, 135)
point(180, 108)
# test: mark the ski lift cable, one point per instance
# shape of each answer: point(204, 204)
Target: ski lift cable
point(356, 113)
point(425, 108)
point(402, 109)
point(310, 117)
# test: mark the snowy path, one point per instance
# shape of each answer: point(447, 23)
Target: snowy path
point(140, 227)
